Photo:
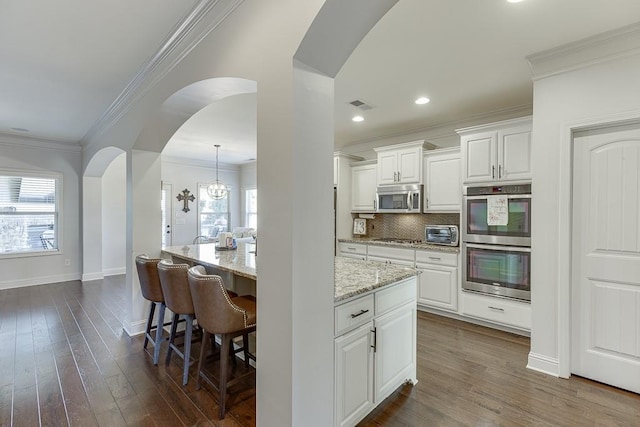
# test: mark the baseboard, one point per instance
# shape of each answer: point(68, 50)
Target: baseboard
point(135, 328)
point(87, 277)
point(545, 364)
point(44, 280)
point(115, 271)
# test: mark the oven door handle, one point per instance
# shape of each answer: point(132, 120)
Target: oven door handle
point(498, 247)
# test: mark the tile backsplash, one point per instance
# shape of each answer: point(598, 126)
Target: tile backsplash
point(407, 226)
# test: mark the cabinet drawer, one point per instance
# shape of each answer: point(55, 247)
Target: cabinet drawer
point(438, 258)
point(392, 253)
point(506, 312)
point(352, 248)
point(353, 313)
point(395, 296)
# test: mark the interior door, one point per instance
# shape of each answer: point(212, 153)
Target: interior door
point(166, 208)
point(606, 257)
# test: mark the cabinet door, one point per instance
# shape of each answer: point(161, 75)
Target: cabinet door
point(514, 153)
point(363, 188)
point(410, 165)
point(479, 156)
point(438, 286)
point(387, 168)
point(442, 182)
point(395, 350)
point(354, 376)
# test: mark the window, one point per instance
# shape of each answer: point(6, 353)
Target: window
point(213, 214)
point(29, 212)
point(251, 206)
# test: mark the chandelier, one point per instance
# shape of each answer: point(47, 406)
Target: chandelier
point(217, 190)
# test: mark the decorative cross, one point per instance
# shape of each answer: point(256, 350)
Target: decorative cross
point(185, 197)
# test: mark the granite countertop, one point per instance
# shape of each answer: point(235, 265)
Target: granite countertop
point(419, 245)
point(240, 261)
point(354, 277)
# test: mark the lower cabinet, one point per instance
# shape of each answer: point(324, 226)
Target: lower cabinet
point(375, 358)
point(438, 281)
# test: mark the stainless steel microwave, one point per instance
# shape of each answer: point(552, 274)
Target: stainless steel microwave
point(399, 199)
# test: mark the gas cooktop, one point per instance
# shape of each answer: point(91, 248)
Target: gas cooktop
point(396, 240)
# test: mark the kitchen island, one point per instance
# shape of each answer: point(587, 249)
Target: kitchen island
point(374, 322)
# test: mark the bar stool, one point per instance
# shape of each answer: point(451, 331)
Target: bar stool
point(175, 287)
point(152, 291)
point(218, 313)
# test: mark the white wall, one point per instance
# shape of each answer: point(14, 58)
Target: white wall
point(183, 175)
point(92, 228)
point(114, 216)
point(32, 270)
point(584, 97)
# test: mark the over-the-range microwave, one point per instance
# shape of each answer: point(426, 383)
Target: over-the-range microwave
point(399, 199)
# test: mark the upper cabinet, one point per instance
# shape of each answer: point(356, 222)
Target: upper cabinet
point(443, 192)
point(363, 187)
point(400, 164)
point(497, 151)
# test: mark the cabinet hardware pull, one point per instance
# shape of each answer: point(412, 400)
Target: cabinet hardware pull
point(398, 176)
point(351, 249)
point(500, 171)
point(375, 205)
point(353, 316)
point(374, 339)
point(496, 308)
point(493, 172)
point(435, 258)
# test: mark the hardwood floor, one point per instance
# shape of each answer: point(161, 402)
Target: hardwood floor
point(64, 360)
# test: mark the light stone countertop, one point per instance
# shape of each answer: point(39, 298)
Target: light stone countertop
point(352, 276)
point(240, 261)
point(420, 245)
point(355, 277)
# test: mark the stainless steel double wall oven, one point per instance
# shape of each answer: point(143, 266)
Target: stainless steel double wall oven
point(496, 240)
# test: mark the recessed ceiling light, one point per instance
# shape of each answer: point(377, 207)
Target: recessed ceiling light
point(422, 100)
point(358, 119)
point(514, 1)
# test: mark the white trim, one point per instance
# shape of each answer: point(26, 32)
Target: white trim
point(87, 277)
point(135, 328)
point(496, 125)
point(619, 43)
point(21, 141)
point(473, 320)
point(115, 271)
point(184, 161)
point(540, 363)
point(43, 280)
point(203, 18)
point(565, 194)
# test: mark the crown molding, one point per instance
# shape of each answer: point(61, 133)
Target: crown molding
point(7, 139)
point(618, 43)
point(183, 161)
point(203, 18)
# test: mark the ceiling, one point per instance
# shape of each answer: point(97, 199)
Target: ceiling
point(66, 62)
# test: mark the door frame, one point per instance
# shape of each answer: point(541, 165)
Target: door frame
point(564, 277)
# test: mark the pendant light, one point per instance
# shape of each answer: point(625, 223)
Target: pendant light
point(217, 190)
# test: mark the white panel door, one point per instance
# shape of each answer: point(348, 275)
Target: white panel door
point(387, 168)
point(514, 154)
point(606, 257)
point(166, 207)
point(363, 188)
point(410, 165)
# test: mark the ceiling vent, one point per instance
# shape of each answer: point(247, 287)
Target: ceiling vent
point(360, 104)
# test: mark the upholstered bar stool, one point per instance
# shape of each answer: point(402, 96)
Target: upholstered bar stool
point(219, 313)
point(177, 295)
point(152, 291)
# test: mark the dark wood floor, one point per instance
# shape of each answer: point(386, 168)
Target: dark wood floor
point(64, 360)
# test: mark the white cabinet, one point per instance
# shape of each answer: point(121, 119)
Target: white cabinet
point(354, 375)
point(363, 188)
point(497, 151)
point(400, 164)
point(393, 255)
point(442, 174)
point(438, 283)
point(375, 358)
point(352, 250)
point(497, 310)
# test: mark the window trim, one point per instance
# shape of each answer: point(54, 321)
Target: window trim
point(59, 229)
